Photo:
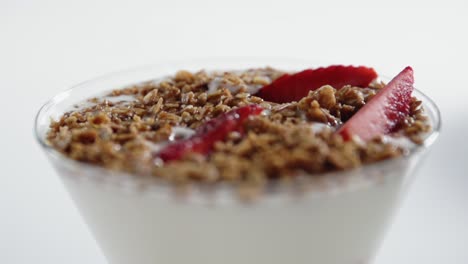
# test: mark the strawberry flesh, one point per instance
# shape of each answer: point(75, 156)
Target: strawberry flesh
point(207, 134)
point(293, 87)
point(384, 111)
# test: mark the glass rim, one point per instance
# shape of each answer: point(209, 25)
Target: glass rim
point(429, 140)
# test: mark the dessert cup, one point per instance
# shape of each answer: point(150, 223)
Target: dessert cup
point(333, 218)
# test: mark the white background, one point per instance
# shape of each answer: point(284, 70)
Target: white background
point(47, 46)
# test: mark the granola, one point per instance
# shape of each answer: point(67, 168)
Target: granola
point(127, 128)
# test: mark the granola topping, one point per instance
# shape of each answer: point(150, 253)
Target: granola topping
point(127, 128)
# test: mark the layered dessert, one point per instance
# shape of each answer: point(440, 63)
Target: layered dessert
point(245, 127)
point(250, 133)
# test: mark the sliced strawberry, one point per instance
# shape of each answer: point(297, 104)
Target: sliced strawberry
point(206, 135)
point(289, 88)
point(381, 114)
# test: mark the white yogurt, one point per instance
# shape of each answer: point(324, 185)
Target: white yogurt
point(152, 226)
point(123, 98)
point(399, 141)
point(318, 127)
point(179, 132)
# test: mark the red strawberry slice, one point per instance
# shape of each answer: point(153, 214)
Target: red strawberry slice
point(206, 135)
point(382, 114)
point(293, 87)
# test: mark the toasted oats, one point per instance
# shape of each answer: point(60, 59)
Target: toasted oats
point(276, 145)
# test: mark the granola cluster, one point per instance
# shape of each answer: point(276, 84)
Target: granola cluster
point(124, 129)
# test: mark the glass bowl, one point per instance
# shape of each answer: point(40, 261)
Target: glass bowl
point(337, 218)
